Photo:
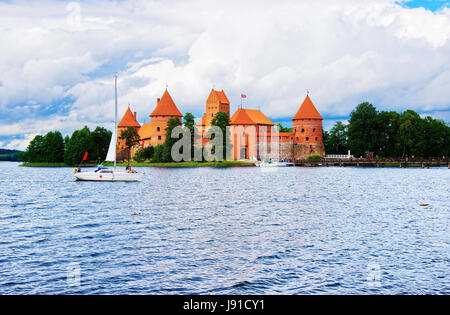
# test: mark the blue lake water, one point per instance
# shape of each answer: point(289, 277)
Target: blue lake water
point(226, 231)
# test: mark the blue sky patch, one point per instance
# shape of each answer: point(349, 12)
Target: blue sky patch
point(432, 5)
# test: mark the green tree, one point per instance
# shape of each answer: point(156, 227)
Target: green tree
point(336, 141)
point(35, 151)
point(131, 138)
point(434, 140)
point(53, 147)
point(362, 129)
point(410, 133)
point(189, 122)
point(284, 129)
point(101, 138)
point(169, 141)
point(144, 154)
point(66, 140)
point(388, 124)
point(80, 142)
point(157, 155)
point(222, 120)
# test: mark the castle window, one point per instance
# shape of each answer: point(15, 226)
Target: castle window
point(314, 129)
point(158, 129)
point(298, 139)
point(159, 137)
point(317, 138)
point(307, 138)
point(303, 130)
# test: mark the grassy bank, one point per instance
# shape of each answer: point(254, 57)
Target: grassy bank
point(147, 164)
point(28, 164)
point(186, 164)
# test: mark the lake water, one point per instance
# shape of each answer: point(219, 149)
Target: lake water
point(226, 231)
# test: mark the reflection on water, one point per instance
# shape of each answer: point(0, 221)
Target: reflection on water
point(220, 231)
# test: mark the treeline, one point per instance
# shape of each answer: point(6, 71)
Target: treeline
point(53, 148)
point(388, 134)
point(11, 155)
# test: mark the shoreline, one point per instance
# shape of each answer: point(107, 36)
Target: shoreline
point(224, 164)
point(228, 164)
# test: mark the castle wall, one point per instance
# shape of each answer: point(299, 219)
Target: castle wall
point(276, 151)
point(303, 150)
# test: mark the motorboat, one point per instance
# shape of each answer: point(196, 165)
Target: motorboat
point(272, 163)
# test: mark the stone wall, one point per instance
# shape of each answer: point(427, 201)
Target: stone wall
point(303, 150)
point(280, 151)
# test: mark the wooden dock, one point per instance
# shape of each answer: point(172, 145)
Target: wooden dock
point(403, 163)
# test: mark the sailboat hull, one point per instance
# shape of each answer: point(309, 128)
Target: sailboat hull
point(108, 177)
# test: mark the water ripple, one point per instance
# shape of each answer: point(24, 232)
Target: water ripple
point(226, 231)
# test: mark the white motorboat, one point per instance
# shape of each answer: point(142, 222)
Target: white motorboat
point(104, 173)
point(270, 163)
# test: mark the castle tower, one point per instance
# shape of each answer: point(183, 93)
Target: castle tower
point(308, 131)
point(217, 102)
point(128, 120)
point(154, 132)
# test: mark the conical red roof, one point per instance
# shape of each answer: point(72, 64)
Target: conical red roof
point(166, 107)
point(128, 120)
point(307, 111)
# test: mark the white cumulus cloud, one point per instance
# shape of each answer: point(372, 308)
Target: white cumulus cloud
point(344, 52)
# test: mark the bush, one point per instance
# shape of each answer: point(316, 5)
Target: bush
point(314, 157)
point(144, 154)
point(157, 155)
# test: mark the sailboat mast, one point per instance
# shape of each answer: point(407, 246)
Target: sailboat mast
point(115, 120)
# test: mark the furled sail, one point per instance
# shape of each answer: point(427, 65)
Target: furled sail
point(111, 156)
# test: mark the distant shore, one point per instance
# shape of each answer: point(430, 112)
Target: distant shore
point(226, 164)
point(148, 164)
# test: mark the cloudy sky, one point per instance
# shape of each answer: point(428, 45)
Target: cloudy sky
point(58, 58)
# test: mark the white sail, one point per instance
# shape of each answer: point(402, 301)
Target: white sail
point(111, 156)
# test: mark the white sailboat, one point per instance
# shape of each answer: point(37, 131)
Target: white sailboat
point(106, 174)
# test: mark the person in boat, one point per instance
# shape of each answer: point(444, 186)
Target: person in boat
point(129, 169)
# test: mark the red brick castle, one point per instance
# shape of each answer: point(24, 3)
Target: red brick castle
point(253, 135)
